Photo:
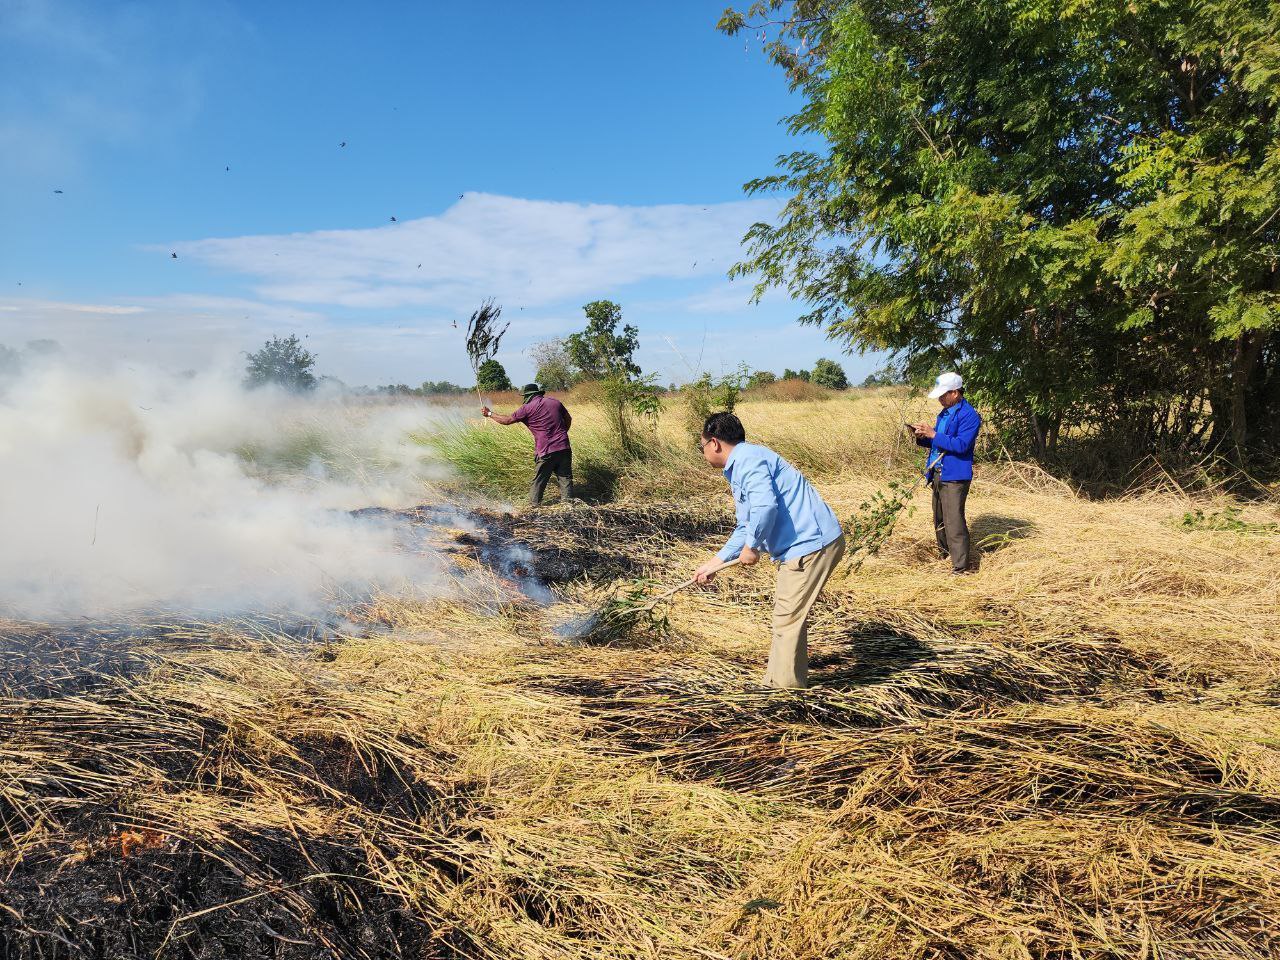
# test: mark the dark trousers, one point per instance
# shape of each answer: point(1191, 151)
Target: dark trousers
point(948, 520)
point(560, 463)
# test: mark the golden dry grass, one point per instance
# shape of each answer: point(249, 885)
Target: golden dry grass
point(1071, 754)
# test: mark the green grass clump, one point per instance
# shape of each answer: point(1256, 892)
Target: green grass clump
point(499, 459)
point(1229, 520)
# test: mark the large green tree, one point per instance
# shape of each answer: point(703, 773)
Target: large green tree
point(829, 374)
point(600, 351)
point(492, 375)
point(1076, 203)
point(282, 361)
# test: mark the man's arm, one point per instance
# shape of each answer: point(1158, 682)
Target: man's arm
point(501, 418)
point(757, 512)
point(732, 548)
point(762, 505)
point(966, 435)
point(756, 516)
point(737, 540)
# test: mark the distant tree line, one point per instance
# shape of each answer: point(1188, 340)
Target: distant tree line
point(825, 373)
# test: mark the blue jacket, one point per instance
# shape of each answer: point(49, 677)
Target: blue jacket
point(778, 510)
point(957, 433)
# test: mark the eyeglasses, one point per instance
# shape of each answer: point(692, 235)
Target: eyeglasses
point(702, 444)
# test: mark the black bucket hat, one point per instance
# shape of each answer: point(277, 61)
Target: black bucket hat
point(531, 390)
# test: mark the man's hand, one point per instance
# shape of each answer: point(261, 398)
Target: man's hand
point(748, 557)
point(485, 411)
point(706, 573)
point(925, 432)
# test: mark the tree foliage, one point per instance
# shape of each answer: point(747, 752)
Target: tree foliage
point(1076, 204)
point(886, 376)
point(492, 375)
point(432, 388)
point(281, 361)
point(600, 351)
point(553, 369)
point(829, 374)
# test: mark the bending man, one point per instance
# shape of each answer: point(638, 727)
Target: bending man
point(781, 514)
point(549, 422)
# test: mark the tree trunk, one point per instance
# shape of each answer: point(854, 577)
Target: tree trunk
point(1037, 437)
point(1244, 362)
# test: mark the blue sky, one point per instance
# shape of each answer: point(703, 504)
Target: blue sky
point(546, 155)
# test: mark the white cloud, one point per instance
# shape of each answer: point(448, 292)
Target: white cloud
point(525, 252)
point(372, 315)
point(177, 331)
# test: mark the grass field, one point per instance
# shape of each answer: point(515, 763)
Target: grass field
point(1073, 753)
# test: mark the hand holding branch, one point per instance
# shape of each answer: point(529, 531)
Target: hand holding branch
point(707, 572)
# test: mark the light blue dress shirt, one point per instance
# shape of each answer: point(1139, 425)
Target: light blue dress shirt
point(778, 510)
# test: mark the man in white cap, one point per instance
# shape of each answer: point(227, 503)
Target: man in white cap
point(950, 440)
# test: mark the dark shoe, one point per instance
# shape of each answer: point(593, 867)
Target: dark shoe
point(964, 572)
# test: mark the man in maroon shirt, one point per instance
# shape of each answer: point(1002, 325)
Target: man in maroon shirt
point(549, 422)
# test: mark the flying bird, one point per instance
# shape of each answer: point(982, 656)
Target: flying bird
point(228, 169)
point(57, 191)
point(343, 143)
point(455, 324)
point(174, 255)
point(393, 219)
point(419, 266)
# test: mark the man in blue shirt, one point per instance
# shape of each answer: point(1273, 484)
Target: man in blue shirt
point(952, 439)
point(779, 513)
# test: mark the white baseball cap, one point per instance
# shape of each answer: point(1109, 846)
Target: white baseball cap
point(945, 383)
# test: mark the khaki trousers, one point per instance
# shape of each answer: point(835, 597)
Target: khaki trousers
point(799, 583)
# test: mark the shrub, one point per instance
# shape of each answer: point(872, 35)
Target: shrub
point(706, 395)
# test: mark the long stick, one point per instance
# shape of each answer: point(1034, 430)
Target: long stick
point(688, 583)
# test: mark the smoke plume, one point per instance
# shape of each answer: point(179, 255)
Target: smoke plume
point(136, 490)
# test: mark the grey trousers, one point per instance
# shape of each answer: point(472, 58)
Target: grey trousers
point(949, 522)
point(561, 464)
point(799, 582)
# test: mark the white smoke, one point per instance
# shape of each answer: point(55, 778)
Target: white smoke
point(135, 490)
